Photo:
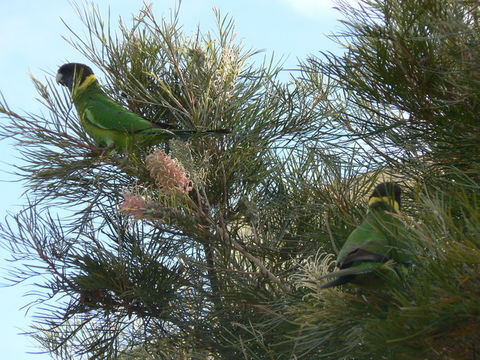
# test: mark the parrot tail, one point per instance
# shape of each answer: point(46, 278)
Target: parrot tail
point(185, 134)
point(216, 132)
point(340, 281)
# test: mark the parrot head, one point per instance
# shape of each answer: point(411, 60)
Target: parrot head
point(388, 193)
point(71, 74)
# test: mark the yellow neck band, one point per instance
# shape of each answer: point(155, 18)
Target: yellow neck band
point(385, 199)
point(85, 83)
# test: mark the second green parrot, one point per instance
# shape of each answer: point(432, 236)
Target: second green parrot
point(374, 242)
point(107, 122)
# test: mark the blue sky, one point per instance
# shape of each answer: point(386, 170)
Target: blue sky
point(31, 42)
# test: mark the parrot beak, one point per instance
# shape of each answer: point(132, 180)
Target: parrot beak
point(65, 80)
point(59, 79)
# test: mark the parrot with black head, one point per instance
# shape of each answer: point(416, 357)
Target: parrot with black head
point(374, 242)
point(109, 123)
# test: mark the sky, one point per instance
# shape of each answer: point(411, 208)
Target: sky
point(31, 42)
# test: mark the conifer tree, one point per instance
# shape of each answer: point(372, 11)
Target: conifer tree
point(212, 248)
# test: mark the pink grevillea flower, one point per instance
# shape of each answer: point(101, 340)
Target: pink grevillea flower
point(167, 172)
point(133, 205)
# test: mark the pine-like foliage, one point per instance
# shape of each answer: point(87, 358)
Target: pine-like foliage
point(212, 248)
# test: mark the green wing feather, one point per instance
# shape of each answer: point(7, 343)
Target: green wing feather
point(100, 111)
point(373, 235)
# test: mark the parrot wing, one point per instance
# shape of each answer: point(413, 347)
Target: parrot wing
point(360, 255)
point(354, 270)
point(102, 112)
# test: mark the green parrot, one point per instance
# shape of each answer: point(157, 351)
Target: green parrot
point(373, 243)
point(107, 122)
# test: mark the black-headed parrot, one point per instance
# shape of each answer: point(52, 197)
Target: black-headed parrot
point(375, 242)
point(107, 122)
